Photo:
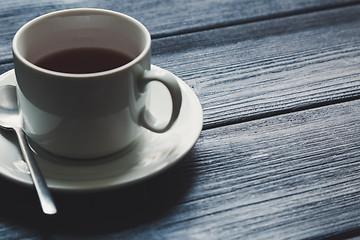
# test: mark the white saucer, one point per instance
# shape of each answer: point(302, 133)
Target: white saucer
point(152, 154)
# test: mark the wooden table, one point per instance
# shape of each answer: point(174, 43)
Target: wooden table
point(279, 154)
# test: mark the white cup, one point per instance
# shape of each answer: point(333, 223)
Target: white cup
point(87, 115)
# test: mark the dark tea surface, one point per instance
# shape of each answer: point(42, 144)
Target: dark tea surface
point(83, 60)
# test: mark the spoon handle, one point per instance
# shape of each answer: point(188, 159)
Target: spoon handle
point(46, 200)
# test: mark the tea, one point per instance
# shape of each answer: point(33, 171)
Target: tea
point(83, 60)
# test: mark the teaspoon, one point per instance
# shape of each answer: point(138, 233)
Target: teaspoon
point(10, 118)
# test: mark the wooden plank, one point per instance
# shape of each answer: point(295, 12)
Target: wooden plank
point(266, 68)
point(289, 176)
point(293, 176)
point(163, 18)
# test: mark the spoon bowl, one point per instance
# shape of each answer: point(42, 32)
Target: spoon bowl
point(9, 112)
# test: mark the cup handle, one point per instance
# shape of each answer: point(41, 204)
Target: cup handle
point(146, 119)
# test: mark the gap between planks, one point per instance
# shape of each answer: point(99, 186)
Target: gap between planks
point(280, 112)
point(252, 20)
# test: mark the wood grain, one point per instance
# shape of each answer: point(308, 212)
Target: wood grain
point(279, 157)
point(266, 68)
point(246, 72)
point(293, 176)
point(163, 18)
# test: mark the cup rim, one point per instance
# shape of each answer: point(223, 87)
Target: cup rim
point(82, 75)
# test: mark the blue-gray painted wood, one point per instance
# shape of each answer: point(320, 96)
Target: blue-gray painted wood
point(292, 176)
point(279, 157)
point(162, 18)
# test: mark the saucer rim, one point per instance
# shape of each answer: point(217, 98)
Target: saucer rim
point(113, 185)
